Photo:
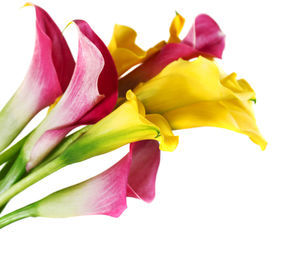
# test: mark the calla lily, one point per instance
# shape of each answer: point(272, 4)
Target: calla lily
point(204, 38)
point(193, 94)
point(104, 194)
point(91, 95)
point(48, 76)
point(126, 124)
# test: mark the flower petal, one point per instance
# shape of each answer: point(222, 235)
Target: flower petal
point(206, 37)
point(181, 83)
point(61, 55)
point(49, 73)
point(143, 170)
point(108, 79)
point(103, 194)
point(107, 82)
point(124, 50)
point(153, 66)
point(175, 28)
point(168, 142)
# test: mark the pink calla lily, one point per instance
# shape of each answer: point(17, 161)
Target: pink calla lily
point(105, 194)
point(48, 76)
point(204, 38)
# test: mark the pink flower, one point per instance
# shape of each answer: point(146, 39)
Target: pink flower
point(48, 76)
point(105, 194)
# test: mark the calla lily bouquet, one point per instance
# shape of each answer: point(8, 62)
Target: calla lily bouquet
point(119, 94)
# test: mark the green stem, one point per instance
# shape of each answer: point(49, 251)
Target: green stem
point(14, 170)
point(27, 211)
point(14, 174)
point(18, 168)
point(35, 176)
point(3, 173)
point(64, 145)
point(12, 151)
point(5, 169)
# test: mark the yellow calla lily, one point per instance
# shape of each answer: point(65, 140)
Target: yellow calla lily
point(127, 54)
point(194, 94)
point(126, 124)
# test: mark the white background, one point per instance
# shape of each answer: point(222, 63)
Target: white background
point(220, 199)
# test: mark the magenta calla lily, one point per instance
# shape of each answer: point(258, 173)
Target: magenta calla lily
point(204, 38)
point(48, 76)
point(91, 95)
point(105, 194)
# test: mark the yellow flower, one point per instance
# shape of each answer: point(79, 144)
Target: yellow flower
point(127, 54)
point(126, 124)
point(194, 94)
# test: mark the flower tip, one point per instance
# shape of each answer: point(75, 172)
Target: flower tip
point(180, 17)
point(168, 143)
point(67, 26)
point(260, 141)
point(130, 95)
point(263, 146)
point(27, 4)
